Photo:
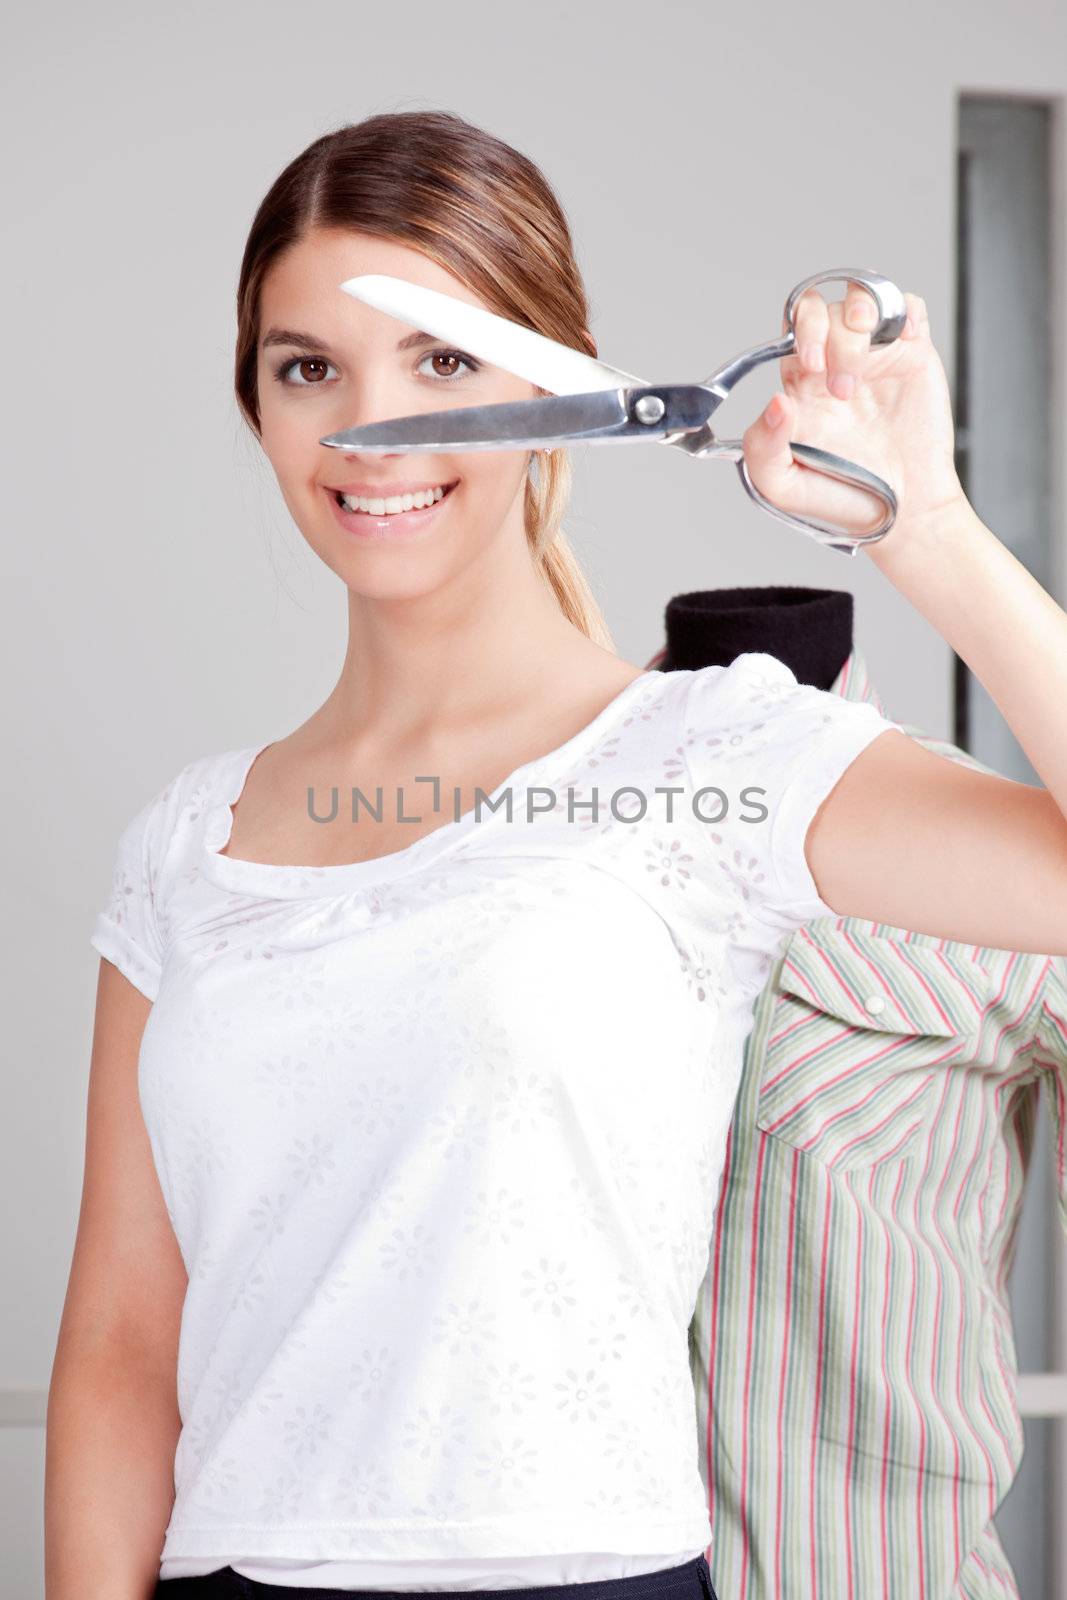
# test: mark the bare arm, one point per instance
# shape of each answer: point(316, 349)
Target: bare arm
point(112, 1423)
point(906, 836)
point(910, 838)
point(914, 839)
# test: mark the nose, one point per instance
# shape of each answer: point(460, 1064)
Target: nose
point(373, 455)
point(363, 414)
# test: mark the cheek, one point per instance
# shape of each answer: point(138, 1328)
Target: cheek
point(272, 432)
point(495, 477)
point(289, 448)
point(288, 429)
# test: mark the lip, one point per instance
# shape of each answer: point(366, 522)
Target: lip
point(365, 525)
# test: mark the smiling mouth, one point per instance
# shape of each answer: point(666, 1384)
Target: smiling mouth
point(393, 505)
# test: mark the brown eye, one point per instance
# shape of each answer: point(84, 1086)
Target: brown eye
point(449, 365)
point(294, 372)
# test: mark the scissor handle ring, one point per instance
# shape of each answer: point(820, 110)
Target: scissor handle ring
point(892, 307)
point(829, 533)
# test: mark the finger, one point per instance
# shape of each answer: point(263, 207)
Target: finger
point(859, 309)
point(790, 485)
point(848, 345)
point(917, 320)
point(811, 319)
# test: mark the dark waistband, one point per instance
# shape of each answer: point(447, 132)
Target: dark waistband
point(226, 1584)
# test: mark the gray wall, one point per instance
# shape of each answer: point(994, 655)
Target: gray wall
point(161, 605)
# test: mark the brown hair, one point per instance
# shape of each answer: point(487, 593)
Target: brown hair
point(481, 210)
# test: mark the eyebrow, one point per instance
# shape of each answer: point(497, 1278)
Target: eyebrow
point(307, 341)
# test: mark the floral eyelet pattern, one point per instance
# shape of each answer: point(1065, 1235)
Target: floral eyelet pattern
point(440, 1135)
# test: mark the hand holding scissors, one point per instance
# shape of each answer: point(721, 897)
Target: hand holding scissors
point(591, 402)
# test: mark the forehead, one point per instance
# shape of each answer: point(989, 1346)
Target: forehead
point(302, 288)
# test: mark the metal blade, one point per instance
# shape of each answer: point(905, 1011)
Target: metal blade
point(508, 345)
point(562, 419)
point(604, 417)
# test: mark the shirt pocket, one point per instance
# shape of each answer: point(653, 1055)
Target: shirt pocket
point(861, 1025)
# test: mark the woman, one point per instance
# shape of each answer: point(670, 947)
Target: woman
point(435, 1118)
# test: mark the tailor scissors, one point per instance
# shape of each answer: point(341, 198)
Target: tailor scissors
point(591, 402)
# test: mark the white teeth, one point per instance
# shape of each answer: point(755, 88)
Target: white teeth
point(394, 503)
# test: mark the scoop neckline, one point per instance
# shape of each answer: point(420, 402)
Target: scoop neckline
point(275, 880)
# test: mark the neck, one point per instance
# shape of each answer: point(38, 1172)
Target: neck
point(810, 630)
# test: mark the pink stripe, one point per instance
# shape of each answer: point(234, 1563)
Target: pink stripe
point(886, 1380)
point(959, 1271)
point(1012, 1022)
point(894, 945)
point(784, 1369)
point(920, 1415)
point(861, 1138)
point(994, 1055)
point(1061, 1117)
point(895, 948)
point(896, 1148)
point(896, 952)
point(849, 1488)
point(713, 1319)
point(819, 1367)
point(753, 1257)
point(892, 1046)
point(935, 1343)
point(847, 1031)
point(972, 994)
point(1007, 1377)
point(834, 972)
point(776, 1039)
point(876, 975)
point(1001, 1090)
point(1008, 1380)
point(1058, 1020)
point(1059, 1023)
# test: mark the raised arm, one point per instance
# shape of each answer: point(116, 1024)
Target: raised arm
point(906, 836)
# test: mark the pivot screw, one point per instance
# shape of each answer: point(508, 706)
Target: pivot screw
point(649, 408)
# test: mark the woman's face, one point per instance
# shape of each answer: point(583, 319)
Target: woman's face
point(325, 362)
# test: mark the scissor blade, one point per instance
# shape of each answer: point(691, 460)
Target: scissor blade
point(561, 419)
point(604, 417)
point(506, 344)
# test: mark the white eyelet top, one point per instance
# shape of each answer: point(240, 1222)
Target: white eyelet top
point(440, 1136)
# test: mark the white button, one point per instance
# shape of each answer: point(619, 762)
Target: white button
point(874, 1003)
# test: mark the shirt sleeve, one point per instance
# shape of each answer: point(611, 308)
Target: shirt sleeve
point(771, 749)
point(129, 927)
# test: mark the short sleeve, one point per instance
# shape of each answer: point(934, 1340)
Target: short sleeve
point(129, 927)
point(775, 748)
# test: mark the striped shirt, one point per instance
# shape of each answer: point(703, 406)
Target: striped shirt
point(853, 1330)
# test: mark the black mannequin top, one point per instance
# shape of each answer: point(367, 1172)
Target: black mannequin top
point(809, 629)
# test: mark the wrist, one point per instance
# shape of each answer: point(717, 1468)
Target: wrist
point(930, 534)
